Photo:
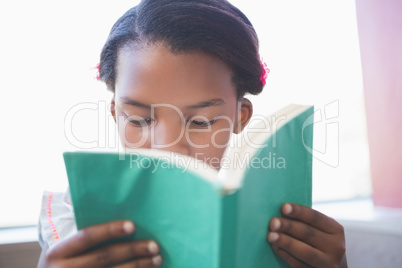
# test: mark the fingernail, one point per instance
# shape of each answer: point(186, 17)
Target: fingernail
point(276, 224)
point(272, 236)
point(128, 227)
point(157, 260)
point(153, 247)
point(287, 209)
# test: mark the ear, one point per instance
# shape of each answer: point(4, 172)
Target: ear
point(113, 108)
point(244, 113)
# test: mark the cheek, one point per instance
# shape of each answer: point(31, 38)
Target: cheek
point(132, 137)
point(210, 146)
point(217, 136)
point(221, 137)
point(222, 132)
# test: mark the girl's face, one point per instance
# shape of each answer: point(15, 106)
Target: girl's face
point(184, 103)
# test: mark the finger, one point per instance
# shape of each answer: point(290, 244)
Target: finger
point(311, 217)
point(299, 250)
point(117, 253)
point(301, 231)
point(89, 237)
point(289, 259)
point(155, 261)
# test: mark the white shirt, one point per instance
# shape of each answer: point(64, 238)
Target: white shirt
point(56, 220)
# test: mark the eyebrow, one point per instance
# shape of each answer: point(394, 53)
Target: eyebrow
point(209, 103)
point(203, 104)
point(132, 102)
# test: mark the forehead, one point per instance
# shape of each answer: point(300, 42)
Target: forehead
point(154, 74)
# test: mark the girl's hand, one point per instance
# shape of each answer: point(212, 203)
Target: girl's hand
point(307, 238)
point(83, 250)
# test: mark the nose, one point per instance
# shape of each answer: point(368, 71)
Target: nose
point(171, 137)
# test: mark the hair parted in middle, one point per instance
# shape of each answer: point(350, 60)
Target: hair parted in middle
point(211, 26)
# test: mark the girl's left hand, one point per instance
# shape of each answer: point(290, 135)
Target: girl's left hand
point(305, 237)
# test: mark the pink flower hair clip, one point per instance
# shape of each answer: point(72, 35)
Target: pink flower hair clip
point(265, 72)
point(97, 75)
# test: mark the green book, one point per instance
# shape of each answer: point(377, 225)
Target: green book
point(199, 216)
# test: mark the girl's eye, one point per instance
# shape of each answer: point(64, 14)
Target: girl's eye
point(145, 122)
point(202, 123)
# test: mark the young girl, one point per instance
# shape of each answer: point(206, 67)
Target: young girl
point(197, 59)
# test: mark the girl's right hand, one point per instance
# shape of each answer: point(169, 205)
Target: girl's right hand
point(82, 249)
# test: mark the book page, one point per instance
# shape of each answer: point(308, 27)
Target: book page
point(254, 137)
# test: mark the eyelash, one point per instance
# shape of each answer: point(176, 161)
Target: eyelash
point(150, 121)
point(202, 123)
point(142, 123)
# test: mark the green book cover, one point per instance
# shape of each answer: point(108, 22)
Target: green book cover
point(202, 218)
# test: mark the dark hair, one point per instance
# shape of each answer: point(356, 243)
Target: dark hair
point(212, 26)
